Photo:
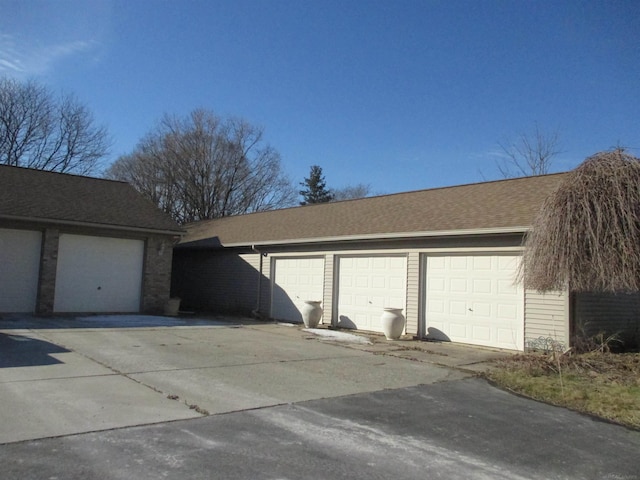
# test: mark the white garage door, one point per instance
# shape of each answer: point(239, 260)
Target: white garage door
point(294, 281)
point(473, 299)
point(19, 269)
point(98, 274)
point(366, 285)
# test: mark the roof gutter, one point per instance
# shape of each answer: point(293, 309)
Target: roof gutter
point(382, 236)
point(94, 225)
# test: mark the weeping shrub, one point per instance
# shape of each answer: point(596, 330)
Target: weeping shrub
point(587, 234)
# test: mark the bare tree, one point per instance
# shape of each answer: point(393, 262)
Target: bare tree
point(587, 235)
point(529, 154)
point(201, 167)
point(41, 131)
point(351, 192)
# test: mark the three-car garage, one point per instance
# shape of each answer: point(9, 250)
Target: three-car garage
point(464, 297)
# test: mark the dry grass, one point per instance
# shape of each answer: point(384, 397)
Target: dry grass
point(603, 384)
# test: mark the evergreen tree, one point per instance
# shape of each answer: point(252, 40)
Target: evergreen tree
point(315, 188)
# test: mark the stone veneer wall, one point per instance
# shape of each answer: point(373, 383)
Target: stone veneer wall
point(156, 282)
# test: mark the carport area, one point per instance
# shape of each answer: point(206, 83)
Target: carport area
point(62, 376)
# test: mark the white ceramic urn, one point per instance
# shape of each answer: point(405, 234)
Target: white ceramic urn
point(311, 313)
point(392, 323)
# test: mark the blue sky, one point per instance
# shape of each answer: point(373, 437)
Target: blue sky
point(397, 94)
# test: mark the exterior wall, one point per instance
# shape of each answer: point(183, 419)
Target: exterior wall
point(327, 299)
point(546, 318)
point(265, 287)
point(157, 263)
point(219, 282)
point(413, 303)
point(48, 268)
point(228, 281)
point(618, 314)
point(156, 277)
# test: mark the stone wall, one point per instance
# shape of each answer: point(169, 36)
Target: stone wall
point(156, 281)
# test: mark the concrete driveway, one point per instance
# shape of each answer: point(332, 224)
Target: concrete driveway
point(210, 399)
point(63, 376)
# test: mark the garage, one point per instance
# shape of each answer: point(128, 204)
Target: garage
point(98, 274)
point(473, 299)
point(20, 260)
point(295, 280)
point(368, 284)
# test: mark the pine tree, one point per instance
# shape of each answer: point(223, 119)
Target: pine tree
point(315, 190)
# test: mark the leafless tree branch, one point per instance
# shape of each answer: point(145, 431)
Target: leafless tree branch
point(38, 130)
point(201, 167)
point(529, 154)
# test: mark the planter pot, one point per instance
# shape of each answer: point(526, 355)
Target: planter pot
point(172, 307)
point(392, 323)
point(311, 313)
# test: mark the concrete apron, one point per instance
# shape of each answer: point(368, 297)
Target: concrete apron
point(67, 381)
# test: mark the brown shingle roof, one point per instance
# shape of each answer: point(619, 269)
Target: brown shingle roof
point(504, 204)
point(45, 196)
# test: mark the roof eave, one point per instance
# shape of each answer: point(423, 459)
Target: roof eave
point(103, 226)
point(372, 237)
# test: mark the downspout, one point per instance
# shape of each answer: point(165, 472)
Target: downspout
point(256, 312)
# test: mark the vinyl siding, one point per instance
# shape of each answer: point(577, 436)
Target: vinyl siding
point(265, 287)
point(226, 281)
point(413, 293)
point(327, 298)
point(608, 313)
point(546, 317)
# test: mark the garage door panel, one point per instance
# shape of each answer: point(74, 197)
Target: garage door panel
point(482, 286)
point(508, 312)
point(98, 274)
point(436, 284)
point(376, 282)
point(481, 263)
point(483, 306)
point(505, 336)
point(458, 285)
point(361, 301)
point(481, 333)
point(482, 310)
point(458, 329)
point(507, 287)
point(458, 263)
point(295, 280)
point(19, 270)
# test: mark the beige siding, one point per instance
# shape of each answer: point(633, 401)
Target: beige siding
point(327, 296)
point(608, 313)
point(265, 286)
point(228, 282)
point(546, 317)
point(413, 293)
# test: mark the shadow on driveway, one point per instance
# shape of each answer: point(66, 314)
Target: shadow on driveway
point(22, 351)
